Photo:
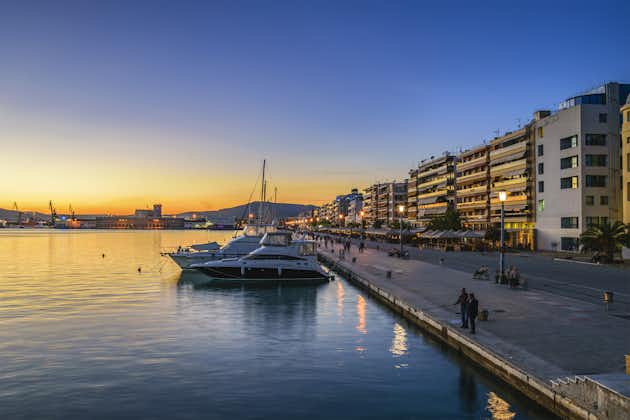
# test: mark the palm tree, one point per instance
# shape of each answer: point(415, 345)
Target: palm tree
point(606, 238)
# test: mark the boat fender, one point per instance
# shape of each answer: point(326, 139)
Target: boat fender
point(279, 271)
point(242, 270)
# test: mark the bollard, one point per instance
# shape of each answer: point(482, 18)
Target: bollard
point(388, 274)
point(354, 259)
point(608, 297)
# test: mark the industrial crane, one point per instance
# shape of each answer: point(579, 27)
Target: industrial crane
point(19, 213)
point(53, 213)
point(71, 212)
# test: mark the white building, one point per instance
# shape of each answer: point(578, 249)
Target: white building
point(578, 166)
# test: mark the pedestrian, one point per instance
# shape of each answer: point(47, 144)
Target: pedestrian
point(441, 260)
point(473, 311)
point(462, 300)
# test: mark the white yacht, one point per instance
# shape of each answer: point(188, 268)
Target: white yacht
point(279, 260)
point(240, 246)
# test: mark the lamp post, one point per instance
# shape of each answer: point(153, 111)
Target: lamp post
point(401, 210)
point(502, 198)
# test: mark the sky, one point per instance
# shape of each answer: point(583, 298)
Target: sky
point(112, 106)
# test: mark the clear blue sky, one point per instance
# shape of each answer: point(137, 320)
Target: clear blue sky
point(106, 96)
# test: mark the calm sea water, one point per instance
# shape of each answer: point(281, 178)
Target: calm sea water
point(82, 336)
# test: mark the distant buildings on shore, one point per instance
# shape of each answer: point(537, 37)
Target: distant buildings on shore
point(562, 172)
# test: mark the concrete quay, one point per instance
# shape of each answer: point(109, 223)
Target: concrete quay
point(564, 353)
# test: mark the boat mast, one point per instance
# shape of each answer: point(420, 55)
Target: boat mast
point(262, 194)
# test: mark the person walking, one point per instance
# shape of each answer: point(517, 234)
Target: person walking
point(473, 311)
point(462, 300)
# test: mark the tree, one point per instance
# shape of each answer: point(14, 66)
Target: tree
point(378, 224)
point(606, 238)
point(493, 234)
point(450, 220)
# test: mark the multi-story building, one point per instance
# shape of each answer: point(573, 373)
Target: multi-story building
point(472, 191)
point(625, 155)
point(511, 171)
point(381, 202)
point(431, 189)
point(578, 166)
point(355, 209)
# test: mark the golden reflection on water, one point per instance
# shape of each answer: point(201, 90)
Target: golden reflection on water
point(499, 408)
point(340, 295)
point(399, 342)
point(361, 326)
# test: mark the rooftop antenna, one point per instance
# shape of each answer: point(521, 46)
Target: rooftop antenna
point(497, 132)
point(518, 120)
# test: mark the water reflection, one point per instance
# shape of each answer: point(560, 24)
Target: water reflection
point(399, 342)
point(467, 389)
point(361, 326)
point(499, 408)
point(340, 295)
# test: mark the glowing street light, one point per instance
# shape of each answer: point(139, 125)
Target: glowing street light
point(401, 211)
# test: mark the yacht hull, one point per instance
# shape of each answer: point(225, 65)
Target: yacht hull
point(232, 276)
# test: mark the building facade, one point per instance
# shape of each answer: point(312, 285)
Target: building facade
point(625, 162)
point(381, 202)
point(431, 189)
point(578, 157)
point(472, 187)
point(511, 171)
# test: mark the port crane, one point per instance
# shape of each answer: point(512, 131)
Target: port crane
point(53, 213)
point(71, 210)
point(19, 213)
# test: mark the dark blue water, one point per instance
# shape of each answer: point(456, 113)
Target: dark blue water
point(87, 337)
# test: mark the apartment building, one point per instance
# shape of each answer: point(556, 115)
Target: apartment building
point(431, 189)
point(578, 155)
point(625, 156)
point(381, 201)
point(472, 187)
point(511, 171)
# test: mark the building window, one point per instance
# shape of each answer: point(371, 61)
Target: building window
point(628, 116)
point(628, 191)
point(590, 200)
point(595, 180)
point(541, 205)
point(569, 222)
point(568, 142)
point(596, 139)
point(541, 168)
point(541, 132)
point(603, 117)
point(628, 161)
point(541, 186)
point(592, 221)
point(596, 160)
point(568, 244)
point(603, 200)
point(569, 182)
point(541, 149)
point(569, 162)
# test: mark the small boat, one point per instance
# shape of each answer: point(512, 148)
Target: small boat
point(279, 260)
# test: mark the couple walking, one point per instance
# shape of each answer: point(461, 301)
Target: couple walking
point(469, 308)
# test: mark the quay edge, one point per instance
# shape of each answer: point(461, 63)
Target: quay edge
point(531, 386)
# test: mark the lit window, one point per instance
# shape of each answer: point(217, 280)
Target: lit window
point(569, 162)
point(541, 205)
point(570, 182)
point(568, 142)
point(541, 132)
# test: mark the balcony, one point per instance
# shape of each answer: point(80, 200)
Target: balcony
point(482, 189)
point(435, 181)
point(470, 164)
point(514, 168)
point(515, 149)
point(477, 176)
point(469, 205)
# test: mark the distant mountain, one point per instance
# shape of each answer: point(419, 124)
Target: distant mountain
point(227, 216)
point(12, 215)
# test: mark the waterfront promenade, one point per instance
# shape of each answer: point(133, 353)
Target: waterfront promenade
point(547, 335)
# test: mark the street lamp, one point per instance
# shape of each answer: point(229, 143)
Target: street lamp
point(401, 210)
point(502, 198)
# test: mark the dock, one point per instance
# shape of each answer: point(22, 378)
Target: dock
point(567, 355)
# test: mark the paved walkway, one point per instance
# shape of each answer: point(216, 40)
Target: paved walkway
point(548, 335)
point(585, 282)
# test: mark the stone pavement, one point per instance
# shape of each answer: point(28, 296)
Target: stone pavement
point(547, 335)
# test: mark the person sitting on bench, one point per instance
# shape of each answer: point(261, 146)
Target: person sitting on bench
point(481, 272)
